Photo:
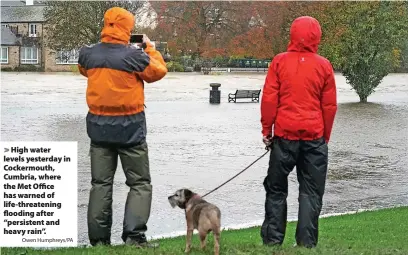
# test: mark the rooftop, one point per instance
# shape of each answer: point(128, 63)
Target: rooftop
point(18, 3)
point(15, 14)
point(7, 37)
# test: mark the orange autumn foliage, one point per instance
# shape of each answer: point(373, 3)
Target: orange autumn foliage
point(254, 43)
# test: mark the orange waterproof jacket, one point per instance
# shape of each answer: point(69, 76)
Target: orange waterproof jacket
point(116, 73)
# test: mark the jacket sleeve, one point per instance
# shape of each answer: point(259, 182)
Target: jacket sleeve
point(270, 98)
point(82, 70)
point(329, 103)
point(81, 60)
point(156, 69)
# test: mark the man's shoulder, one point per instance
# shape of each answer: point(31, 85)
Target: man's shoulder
point(320, 58)
point(135, 57)
point(86, 51)
point(136, 53)
point(323, 60)
point(88, 47)
point(279, 56)
point(135, 50)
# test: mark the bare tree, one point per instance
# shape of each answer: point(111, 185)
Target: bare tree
point(72, 24)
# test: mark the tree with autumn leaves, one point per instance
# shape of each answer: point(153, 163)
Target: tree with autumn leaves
point(226, 28)
point(364, 40)
point(199, 28)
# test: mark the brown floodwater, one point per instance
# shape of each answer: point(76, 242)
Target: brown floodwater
point(197, 145)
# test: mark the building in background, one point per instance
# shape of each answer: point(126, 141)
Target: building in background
point(21, 30)
point(23, 45)
point(23, 40)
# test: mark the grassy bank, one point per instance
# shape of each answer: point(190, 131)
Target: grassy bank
point(377, 232)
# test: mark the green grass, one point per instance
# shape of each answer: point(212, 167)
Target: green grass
point(375, 232)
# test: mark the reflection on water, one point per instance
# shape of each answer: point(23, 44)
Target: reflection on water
point(196, 145)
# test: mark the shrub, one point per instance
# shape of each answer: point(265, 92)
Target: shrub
point(7, 69)
point(173, 66)
point(28, 68)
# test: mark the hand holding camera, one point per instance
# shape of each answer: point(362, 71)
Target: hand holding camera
point(145, 39)
point(140, 40)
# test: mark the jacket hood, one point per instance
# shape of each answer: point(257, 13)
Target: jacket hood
point(305, 35)
point(118, 24)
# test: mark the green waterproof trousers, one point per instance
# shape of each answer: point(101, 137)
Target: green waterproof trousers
point(135, 164)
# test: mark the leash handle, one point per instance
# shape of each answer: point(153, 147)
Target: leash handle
point(233, 177)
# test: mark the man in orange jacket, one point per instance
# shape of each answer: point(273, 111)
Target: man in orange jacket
point(116, 125)
point(299, 102)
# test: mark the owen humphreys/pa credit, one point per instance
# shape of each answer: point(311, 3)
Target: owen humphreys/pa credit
point(48, 240)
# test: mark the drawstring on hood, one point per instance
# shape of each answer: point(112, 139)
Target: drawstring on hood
point(118, 24)
point(305, 35)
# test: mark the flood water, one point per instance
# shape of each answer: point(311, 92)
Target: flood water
point(197, 145)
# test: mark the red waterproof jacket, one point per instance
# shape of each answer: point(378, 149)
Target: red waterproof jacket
point(299, 96)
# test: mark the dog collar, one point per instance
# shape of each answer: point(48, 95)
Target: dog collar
point(196, 196)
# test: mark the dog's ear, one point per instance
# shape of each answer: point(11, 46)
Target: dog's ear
point(188, 194)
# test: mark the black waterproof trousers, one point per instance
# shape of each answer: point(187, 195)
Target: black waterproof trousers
point(135, 164)
point(311, 160)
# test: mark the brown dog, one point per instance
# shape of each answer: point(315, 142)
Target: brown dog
point(200, 215)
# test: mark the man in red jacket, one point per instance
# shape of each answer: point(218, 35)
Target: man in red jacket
point(299, 102)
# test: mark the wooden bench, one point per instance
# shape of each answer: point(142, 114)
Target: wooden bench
point(243, 93)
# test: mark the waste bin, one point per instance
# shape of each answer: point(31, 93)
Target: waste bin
point(215, 94)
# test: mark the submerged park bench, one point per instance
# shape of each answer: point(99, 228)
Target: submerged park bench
point(244, 93)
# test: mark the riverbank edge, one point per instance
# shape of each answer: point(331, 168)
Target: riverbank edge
point(259, 223)
point(360, 232)
point(182, 73)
